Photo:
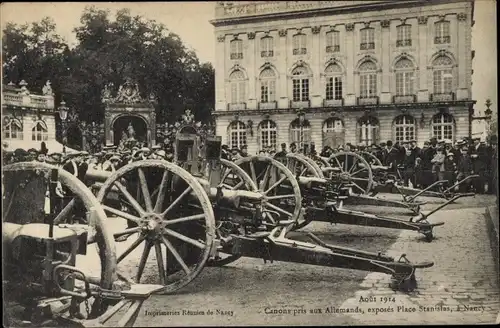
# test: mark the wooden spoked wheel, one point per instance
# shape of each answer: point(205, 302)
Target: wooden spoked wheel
point(173, 216)
point(24, 200)
point(303, 166)
point(370, 158)
point(233, 178)
point(281, 191)
point(356, 169)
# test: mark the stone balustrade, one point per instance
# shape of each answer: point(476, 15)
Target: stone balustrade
point(32, 101)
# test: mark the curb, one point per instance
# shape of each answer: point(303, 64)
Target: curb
point(491, 214)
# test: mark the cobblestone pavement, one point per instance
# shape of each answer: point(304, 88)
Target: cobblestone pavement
point(461, 288)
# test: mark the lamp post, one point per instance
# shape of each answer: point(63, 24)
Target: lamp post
point(63, 115)
point(486, 117)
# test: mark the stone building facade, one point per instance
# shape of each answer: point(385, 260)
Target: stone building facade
point(28, 119)
point(336, 72)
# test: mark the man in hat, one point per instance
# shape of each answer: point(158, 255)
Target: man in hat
point(235, 154)
point(427, 155)
point(244, 151)
point(449, 169)
point(392, 157)
point(408, 167)
point(479, 160)
point(225, 153)
point(464, 169)
point(293, 147)
point(282, 152)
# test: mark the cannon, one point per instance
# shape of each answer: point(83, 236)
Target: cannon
point(196, 211)
point(45, 264)
point(324, 199)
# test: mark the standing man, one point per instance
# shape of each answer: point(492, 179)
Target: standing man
point(293, 147)
point(479, 159)
point(244, 151)
point(392, 157)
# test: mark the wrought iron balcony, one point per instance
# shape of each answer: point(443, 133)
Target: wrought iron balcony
point(269, 53)
point(367, 46)
point(268, 105)
point(299, 51)
point(403, 43)
point(237, 55)
point(404, 99)
point(333, 102)
point(443, 96)
point(300, 104)
point(237, 106)
point(442, 39)
point(335, 48)
point(371, 100)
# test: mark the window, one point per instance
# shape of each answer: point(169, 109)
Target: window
point(300, 84)
point(368, 129)
point(368, 79)
point(268, 134)
point(237, 134)
point(367, 39)
point(333, 41)
point(404, 128)
point(443, 126)
point(267, 47)
point(299, 44)
point(13, 130)
point(404, 77)
point(333, 125)
point(267, 86)
point(39, 132)
point(236, 47)
point(333, 82)
point(403, 36)
point(442, 32)
point(300, 132)
point(442, 75)
point(238, 86)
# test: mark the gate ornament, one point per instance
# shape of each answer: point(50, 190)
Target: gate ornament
point(128, 93)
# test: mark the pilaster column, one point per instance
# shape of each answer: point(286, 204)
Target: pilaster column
point(385, 96)
point(423, 31)
point(252, 102)
point(220, 72)
point(461, 37)
point(350, 98)
point(315, 65)
point(282, 68)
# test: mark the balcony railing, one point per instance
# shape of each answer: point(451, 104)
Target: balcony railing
point(403, 43)
point(404, 99)
point(268, 105)
point(34, 101)
point(373, 100)
point(367, 46)
point(237, 106)
point(335, 48)
point(300, 104)
point(237, 55)
point(443, 96)
point(300, 51)
point(269, 53)
point(333, 102)
point(442, 39)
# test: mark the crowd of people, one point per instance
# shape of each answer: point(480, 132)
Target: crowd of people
point(417, 167)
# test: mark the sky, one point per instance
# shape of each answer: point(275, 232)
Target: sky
point(190, 20)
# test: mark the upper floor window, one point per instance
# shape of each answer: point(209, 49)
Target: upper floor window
point(236, 47)
point(442, 32)
point(404, 77)
point(299, 44)
point(238, 87)
point(267, 86)
point(333, 41)
point(333, 75)
point(300, 84)
point(367, 39)
point(267, 46)
point(403, 36)
point(39, 132)
point(443, 75)
point(13, 130)
point(368, 79)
